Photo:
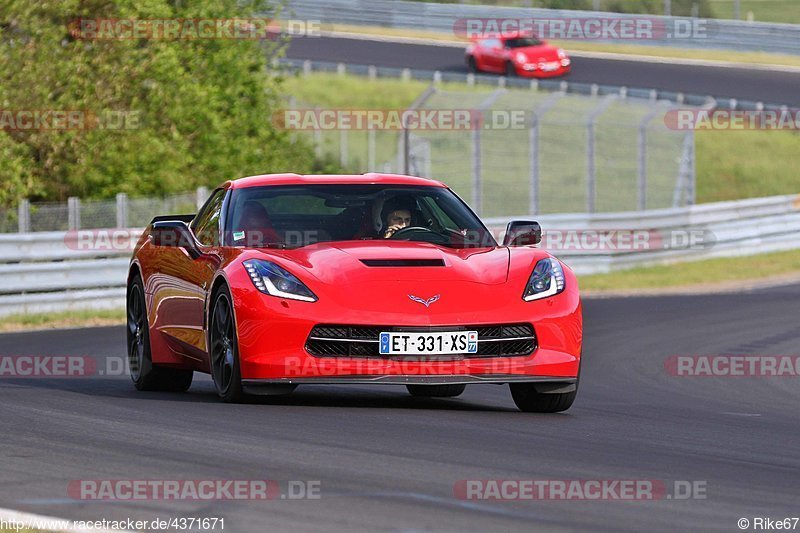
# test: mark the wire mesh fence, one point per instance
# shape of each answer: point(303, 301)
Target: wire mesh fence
point(76, 214)
point(604, 152)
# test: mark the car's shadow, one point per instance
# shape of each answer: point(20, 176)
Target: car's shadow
point(202, 391)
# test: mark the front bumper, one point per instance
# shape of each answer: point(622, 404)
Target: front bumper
point(547, 383)
point(273, 335)
point(562, 70)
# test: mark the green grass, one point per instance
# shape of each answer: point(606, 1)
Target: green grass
point(62, 320)
point(746, 164)
point(763, 10)
point(745, 269)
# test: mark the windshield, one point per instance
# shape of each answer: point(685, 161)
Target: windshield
point(522, 42)
point(291, 216)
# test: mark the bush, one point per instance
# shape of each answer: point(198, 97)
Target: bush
point(197, 111)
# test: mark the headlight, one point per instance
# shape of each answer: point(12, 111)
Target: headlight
point(561, 53)
point(272, 279)
point(546, 280)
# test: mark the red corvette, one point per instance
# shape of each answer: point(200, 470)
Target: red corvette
point(517, 55)
point(283, 279)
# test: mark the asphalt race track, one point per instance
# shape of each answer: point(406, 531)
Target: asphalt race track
point(386, 461)
point(771, 87)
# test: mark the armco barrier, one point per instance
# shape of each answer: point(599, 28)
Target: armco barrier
point(41, 272)
point(441, 18)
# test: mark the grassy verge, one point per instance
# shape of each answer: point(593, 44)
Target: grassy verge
point(62, 320)
point(725, 271)
point(746, 164)
point(761, 58)
point(763, 10)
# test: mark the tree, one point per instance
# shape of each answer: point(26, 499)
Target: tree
point(158, 115)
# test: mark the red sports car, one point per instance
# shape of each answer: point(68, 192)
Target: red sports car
point(281, 280)
point(517, 55)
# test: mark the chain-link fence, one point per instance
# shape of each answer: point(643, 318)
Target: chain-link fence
point(605, 152)
point(75, 214)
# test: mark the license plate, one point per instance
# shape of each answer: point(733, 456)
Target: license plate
point(550, 66)
point(436, 343)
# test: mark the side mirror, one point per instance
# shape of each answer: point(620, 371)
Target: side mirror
point(175, 234)
point(522, 233)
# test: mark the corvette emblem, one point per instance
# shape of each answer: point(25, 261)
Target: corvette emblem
point(426, 303)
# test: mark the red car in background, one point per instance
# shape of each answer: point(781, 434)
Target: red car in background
point(517, 55)
point(285, 280)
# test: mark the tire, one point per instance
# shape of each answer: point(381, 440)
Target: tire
point(224, 352)
point(472, 65)
point(145, 375)
point(436, 391)
point(511, 70)
point(529, 400)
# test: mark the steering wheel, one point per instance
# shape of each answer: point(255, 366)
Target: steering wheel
point(420, 233)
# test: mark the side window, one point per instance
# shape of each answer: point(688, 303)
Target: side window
point(206, 226)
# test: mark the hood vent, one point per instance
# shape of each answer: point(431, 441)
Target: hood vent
point(403, 262)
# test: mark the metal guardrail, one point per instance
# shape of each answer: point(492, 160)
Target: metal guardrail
point(441, 18)
point(43, 272)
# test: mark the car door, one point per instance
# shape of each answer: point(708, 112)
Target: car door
point(494, 55)
point(181, 294)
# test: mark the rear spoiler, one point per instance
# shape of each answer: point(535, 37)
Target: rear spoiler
point(182, 218)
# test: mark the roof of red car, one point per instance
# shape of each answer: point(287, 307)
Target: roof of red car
point(297, 179)
point(505, 35)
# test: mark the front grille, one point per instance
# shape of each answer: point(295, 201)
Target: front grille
point(500, 340)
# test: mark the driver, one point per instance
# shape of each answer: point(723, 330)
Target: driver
point(396, 214)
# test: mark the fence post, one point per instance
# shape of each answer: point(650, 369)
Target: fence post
point(476, 167)
point(642, 159)
point(343, 147)
point(24, 215)
point(685, 185)
point(200, 196)
point(591, 191)
point(74, 213)
point(591, 161)
point(642, 138)
point(406, 148)
point(317, 137)
point(691, 194)
point(122, 210)
point(533, 150)
point(404, 153)
point(371, 150)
